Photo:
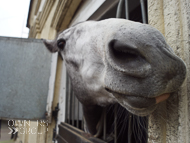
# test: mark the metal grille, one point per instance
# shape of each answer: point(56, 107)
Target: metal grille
point(74, 115)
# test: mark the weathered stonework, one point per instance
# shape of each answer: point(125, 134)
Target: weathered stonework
point(41, 18)
point(170, 123)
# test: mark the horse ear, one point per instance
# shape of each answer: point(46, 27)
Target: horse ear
point(51, 45)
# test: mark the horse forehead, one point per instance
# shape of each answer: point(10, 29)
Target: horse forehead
point(112, 26)
point(124, 29)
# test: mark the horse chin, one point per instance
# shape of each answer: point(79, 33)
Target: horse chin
point(139, 106)
point(138, 111)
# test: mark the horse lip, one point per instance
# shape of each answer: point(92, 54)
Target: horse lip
point(135, 102)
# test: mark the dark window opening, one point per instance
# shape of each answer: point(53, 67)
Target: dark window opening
point(134, 7)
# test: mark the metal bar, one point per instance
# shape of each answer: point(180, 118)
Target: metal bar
point(104, 130)
point(73, 108)
point(115, 123)
point(143, 11)
point(69, 100)
point(126, 9)
point(119, 9)
point(83, 123)
point(66, 110)
point(78, 114)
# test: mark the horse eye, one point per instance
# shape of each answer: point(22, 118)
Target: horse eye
point(61, 44)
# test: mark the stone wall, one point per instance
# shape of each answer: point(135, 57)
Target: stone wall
point(170, 123)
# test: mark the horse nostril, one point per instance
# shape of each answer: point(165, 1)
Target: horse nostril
point(127, 58)
point(107, 89)
point(123, 52)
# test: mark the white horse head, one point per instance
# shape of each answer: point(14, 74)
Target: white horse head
point(117, 60)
